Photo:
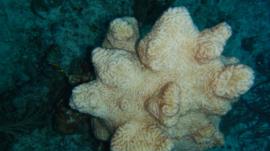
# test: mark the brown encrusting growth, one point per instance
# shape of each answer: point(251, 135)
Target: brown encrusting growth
point(166, 92)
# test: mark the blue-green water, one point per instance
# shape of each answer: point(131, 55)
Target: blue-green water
point(45, 48)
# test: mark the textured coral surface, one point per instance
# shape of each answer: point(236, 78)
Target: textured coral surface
point(166, 91)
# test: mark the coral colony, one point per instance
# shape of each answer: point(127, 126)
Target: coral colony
point(168, 91)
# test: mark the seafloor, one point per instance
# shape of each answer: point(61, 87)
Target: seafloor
point(45, 48)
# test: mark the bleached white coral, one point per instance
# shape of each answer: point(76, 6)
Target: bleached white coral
point(168, 92)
